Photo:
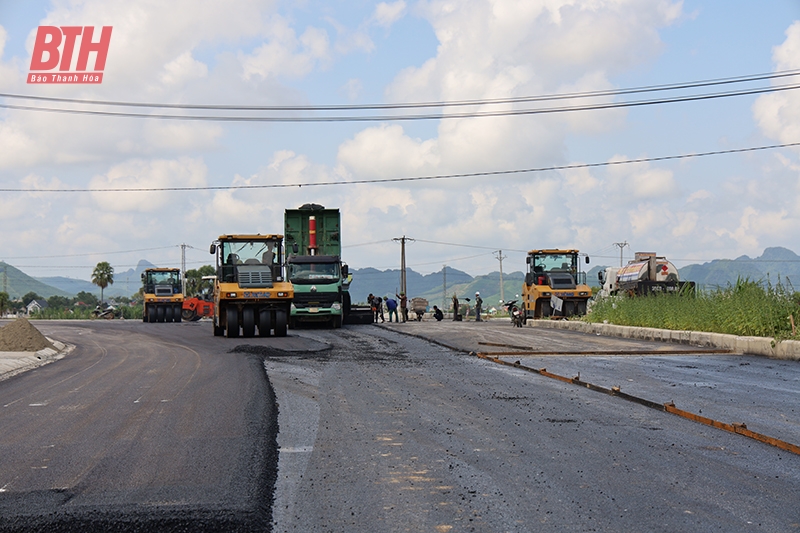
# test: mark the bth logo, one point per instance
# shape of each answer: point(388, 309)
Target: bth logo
point(49, 55)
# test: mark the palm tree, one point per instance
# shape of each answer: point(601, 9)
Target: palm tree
point(103, 276)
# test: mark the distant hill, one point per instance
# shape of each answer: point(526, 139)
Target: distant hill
point(17, 284)
point(774, 264)
point(385, 282)
point(126, 283)
point(488, 285)
point(431, 286)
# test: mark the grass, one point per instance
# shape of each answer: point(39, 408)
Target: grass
point(747, 308)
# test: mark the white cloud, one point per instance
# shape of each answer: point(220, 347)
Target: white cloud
point(182, 69)
point(286, 54)
point(352, 89)
point(386, 14)
point(385, 151)
point(634, 182)
point(141, 174)
point(686, 224)
point(699, 196)
point(778, 114)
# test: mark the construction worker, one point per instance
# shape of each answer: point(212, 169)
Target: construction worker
point(403, 306)
point(478, 304)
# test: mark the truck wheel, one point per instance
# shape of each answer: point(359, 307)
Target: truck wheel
point(188, 314)
point(248, 321)
point(144, 314)
point(168, 313)
point(176, 313)
point(232, 327)
point(280, 322)
point(160, 313)
point(218, 331)
point(337, 322)
point(264, 323)
point(151, 314)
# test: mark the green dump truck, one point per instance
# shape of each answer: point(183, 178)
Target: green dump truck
point(314, 267)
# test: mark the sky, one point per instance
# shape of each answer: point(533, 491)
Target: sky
point(238, 176)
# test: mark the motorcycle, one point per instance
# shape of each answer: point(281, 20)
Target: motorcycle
point(515, 313)
point(108, 312)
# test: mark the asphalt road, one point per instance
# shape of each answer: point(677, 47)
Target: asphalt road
point(385, 432)
point(163, 427)
point(143, 427)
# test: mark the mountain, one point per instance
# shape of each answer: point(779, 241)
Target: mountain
point(774, 264)
point(17, 284)
point(387, 282)
point(432, 286)
point(126, 283)
point(488, 285)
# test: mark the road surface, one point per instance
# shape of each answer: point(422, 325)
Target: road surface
point(163, 427)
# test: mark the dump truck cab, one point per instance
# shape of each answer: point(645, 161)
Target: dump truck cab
point(554, 284)
point(250, 290)
point(162, 292)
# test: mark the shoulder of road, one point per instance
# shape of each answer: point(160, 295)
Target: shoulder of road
point(764, 346)
point(13, 363)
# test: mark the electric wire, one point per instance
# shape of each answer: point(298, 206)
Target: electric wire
point(493, 248)
point(417, 105)
point(571, 166)
point(390, 118)
point(89, 253)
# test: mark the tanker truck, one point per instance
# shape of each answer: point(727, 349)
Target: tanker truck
point(314, 267)
point(647, 273)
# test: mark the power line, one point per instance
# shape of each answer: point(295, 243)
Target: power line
point(421, 105)
point(468, 245)
point(385, 241)
point(89, 254)
point(389, 118)
point(421, 178)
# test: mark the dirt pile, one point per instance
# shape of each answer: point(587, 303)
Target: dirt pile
point(21, 336)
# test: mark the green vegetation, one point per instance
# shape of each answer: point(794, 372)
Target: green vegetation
point(85, 312)
point(745, 308)
point(103, 276)
point(194, 280)
point(79, 307)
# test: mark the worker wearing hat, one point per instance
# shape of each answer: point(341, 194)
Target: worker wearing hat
point(478, 304)
point(403, 306)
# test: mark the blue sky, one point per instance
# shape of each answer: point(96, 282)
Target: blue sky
point(268, 52)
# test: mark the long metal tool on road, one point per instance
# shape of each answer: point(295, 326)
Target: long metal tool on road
point(738, 428)
point(527, 350)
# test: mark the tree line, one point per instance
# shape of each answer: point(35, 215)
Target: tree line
point(102, 276)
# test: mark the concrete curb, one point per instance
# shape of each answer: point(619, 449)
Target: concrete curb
point(13, 363)
point(789, 350)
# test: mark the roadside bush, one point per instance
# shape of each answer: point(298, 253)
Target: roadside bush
point(745, 308)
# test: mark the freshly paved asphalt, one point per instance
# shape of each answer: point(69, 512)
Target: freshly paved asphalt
point(163, 427)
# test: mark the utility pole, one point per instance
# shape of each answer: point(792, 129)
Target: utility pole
point(621, 245)
point(402, 241)
point(444, 287)
point(500, 258)
point(183, 268)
